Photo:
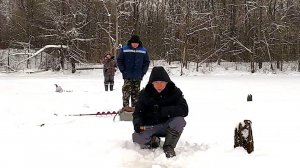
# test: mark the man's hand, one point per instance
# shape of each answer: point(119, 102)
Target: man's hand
point(137, 128)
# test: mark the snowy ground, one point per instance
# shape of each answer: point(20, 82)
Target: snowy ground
point(36, 133)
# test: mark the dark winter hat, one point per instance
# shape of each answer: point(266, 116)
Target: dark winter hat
point(158, 73)
point(135, 39)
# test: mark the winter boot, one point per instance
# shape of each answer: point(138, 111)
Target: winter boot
point(153, 144)
point(111, 87)
point(171, 140)
point(106, 87)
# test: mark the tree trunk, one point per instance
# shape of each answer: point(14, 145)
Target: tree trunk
point(135, 19)
point(62, 59)
point(259, 64)
point(252, 67)
point(109, 33)
point(298, 50)
point(233, 12)
point(117, 29)
point(259, 34)
point(268, 51)
point(186, 36)
point(73, 65)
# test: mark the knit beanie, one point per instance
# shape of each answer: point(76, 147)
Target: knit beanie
point(135, 39)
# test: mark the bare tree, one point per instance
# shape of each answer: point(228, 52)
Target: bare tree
point(204, 31)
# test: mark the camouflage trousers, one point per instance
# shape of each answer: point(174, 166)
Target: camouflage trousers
point(130, 89)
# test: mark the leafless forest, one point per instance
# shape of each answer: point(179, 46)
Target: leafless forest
point(200, 31)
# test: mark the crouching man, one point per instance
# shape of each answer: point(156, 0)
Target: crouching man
point(159, 112)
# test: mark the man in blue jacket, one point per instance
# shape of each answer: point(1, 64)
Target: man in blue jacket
point(133, 62)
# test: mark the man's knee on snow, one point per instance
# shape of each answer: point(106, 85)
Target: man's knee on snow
point(177, 123)
point(140, 138)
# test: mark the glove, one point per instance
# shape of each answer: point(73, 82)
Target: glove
point(137, 128)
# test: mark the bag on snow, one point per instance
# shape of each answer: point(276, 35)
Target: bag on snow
point(126, 114)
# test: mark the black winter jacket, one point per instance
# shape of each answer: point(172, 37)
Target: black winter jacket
point(170, 103)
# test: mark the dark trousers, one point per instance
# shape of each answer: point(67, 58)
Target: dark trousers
point(108, 79)
point(176, 123)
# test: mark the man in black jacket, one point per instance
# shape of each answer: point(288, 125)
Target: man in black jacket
point(159, 112)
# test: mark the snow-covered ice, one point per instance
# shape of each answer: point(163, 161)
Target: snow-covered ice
point(37, 133)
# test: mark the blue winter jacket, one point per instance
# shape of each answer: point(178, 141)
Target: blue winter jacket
point(133, 63)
